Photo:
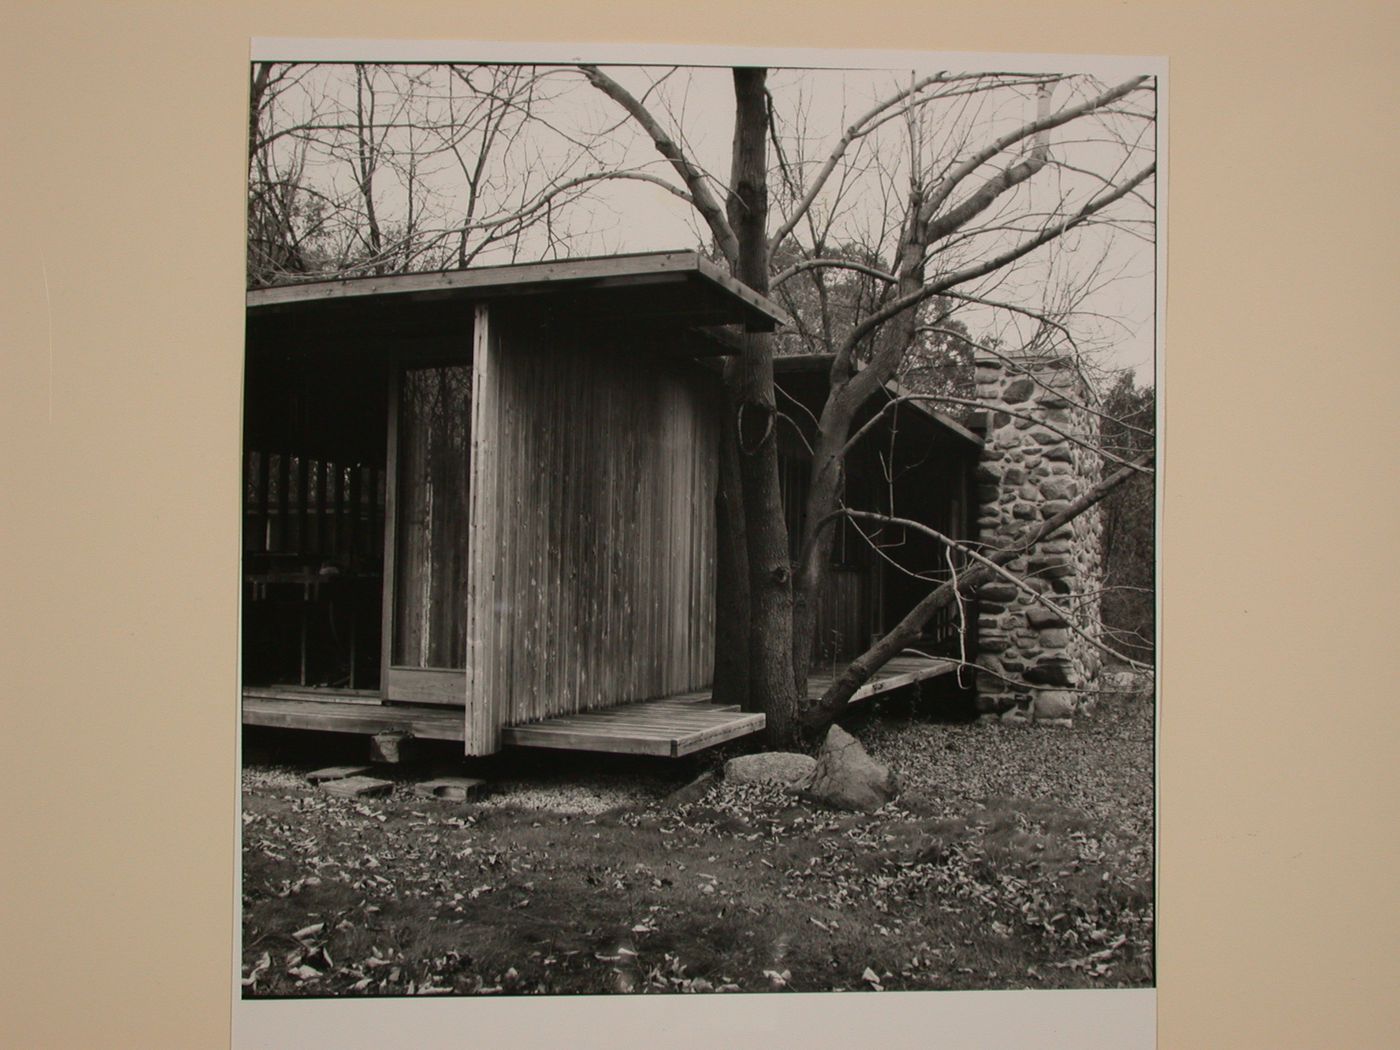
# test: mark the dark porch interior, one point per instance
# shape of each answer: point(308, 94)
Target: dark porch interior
point(910, 465)
point(315, 420)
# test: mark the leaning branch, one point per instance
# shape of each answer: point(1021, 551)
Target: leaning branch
point(831, 703)
point(832, 264)
point(1010, 577)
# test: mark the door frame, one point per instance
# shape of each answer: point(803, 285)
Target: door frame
point(399, 683)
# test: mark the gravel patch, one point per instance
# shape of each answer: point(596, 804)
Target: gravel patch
point(272, 778)
point(588, 795)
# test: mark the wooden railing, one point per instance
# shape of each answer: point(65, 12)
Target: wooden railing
point(313, 545)
point(314, 509)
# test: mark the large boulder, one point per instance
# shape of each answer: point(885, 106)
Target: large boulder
point(846, 777)
point(780, 767)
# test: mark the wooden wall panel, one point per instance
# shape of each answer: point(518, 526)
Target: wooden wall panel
point(843, 624)
point(593, 526)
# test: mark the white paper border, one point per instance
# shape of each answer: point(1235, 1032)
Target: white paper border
point(1072, 1019)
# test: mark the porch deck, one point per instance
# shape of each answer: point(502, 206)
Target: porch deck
point(668, 726)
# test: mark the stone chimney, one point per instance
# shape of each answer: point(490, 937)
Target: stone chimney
point(1031, 468)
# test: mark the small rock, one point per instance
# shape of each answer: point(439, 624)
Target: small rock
point(846, 777)
point(693, 791)
point(320, 776)
point(1052, 704)
point(357, 787)
point(1122, 681)
point(453, 789)
point(390, 747)
point(782, 767)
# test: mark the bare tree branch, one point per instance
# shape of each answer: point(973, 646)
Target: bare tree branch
point(858, 672)
point(701, 197)
point(996, 262)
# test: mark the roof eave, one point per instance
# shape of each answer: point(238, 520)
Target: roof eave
point(754, 311)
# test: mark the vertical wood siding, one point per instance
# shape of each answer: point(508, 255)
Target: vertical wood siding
point(843, 620)
point(592, 574)
point(431, 526)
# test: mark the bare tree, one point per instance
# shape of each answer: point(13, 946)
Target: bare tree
point(961, 227)
point(368, 168)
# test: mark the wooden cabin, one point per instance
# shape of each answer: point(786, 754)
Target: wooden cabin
point(479, 505)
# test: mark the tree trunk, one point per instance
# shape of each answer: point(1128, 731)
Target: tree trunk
point(771, 685)
point(823, 496)
point(849, 389)
point(731, 671)
point(261, 75)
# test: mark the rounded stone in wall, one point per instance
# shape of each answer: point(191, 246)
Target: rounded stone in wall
point(1054, 670)
point(1041, 618)
point(1018, 390)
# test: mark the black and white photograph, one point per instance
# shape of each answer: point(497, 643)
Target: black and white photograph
point(601, 526)
point(698, 523)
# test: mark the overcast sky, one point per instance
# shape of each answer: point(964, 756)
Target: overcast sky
point(813, 108)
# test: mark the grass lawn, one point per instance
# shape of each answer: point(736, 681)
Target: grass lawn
point(1014, 858)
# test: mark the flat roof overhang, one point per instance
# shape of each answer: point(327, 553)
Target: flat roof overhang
point(680, 289)
point(791, 364)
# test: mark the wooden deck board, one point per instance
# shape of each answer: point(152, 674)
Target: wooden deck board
point(670, 726)
point(353, 716)
point(685, 723)
point(595, 732)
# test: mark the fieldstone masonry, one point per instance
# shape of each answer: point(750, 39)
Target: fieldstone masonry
point(1029, 472)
